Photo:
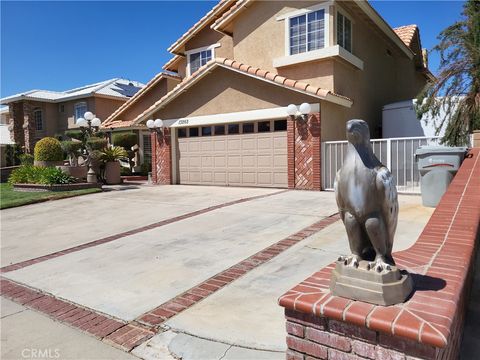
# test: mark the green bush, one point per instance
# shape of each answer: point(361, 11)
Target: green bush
point(124, 171)
point(12, 154)
point(48, 149)
point(71, 147)
point(125, 139)
point(28, 174)
point(26, 159)
point(96, 143)
point(75, 134)
point(145, 168)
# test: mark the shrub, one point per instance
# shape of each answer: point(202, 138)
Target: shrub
point(75, 134)
point(113, 154)
point(145, 168)
point(71, 147)
point(124, 171)
point(26, 159)
point(12, 154)
point(125, 139)
point(48, 149)
point(96, 143)
point(28, 174)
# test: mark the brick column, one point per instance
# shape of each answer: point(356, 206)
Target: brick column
point(16, 123)
point(303, 145)
point(162, 157)
point(429, 324)
point(28, 127)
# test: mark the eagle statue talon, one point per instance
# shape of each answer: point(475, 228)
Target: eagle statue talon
point(351, 260)
point(379, 265)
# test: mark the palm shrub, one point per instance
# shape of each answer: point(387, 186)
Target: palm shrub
point(456, 90)
point(114, 153)
point(48, 149)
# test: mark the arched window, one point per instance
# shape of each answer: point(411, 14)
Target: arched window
point(80, 110)
point(38, 118)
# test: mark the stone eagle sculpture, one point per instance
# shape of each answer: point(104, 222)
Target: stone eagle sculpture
point(367, 200)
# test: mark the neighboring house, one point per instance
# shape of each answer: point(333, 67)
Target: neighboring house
point(4, 134)
point(39, 113)
point(244, 62)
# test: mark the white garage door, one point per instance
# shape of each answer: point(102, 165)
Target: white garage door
point(246, 154)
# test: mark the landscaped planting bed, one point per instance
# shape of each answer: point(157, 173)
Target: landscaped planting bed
point(55, 187)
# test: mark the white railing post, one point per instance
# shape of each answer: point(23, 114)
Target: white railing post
point(389, 154)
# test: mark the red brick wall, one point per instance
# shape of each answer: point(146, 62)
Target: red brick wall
point(161, 157)
point(304, 153)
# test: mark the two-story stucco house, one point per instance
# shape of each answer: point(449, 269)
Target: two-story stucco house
point(241, 65)
point(35, 114)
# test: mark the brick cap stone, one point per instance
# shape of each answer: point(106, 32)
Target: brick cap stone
point(439, 262)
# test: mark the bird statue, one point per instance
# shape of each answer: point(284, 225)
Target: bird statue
point(367, 201)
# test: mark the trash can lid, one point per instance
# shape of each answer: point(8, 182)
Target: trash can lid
point(427, 149)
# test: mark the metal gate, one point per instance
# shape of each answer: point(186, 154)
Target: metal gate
point(398, 154)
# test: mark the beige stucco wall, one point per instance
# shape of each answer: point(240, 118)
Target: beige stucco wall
point(207, 37)
point(225, 91)
point(104, 107)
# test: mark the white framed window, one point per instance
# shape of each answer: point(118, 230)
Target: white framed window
point(196, 58)
point(38, 118)
point(306, 29)
point(80, 110)
point(344, 31)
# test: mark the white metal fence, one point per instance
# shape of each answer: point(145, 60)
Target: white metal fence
point(398, 154)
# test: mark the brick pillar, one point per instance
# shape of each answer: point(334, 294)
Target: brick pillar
point(162, 157)
point(16, 123)
point(28, 127)
point(303, 145)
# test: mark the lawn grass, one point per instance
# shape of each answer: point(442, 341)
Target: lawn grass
point(10, 198)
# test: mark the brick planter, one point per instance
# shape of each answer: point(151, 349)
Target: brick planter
point(429, 324)
point(56, 187)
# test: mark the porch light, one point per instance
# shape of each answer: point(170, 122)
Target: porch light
point(150, 124)
point(96, 122)
point(158, 123)
point(302, 112)
point(88, 116)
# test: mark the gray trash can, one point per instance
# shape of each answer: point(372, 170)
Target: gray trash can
point(437, 166)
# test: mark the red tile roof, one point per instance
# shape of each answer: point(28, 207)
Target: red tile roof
point(233, 11)
point(264, 75)
point(406, 33)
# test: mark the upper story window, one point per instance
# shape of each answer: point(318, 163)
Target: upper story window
point(38, 118)
point(344, 32)
point(307, 32)
point(80, 110)
point(196, 58)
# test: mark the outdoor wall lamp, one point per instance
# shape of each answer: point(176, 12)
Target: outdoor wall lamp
point(299, 112)
point(155, 125)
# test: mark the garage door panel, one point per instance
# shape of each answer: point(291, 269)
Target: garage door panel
point(257, 159)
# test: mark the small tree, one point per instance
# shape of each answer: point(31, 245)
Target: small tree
point(456, 91)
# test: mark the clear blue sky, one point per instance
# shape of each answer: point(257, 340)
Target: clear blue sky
point(62, 45)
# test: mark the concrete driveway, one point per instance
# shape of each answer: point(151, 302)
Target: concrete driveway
point(163, 241)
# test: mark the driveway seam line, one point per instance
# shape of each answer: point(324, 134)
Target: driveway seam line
point(110, 238)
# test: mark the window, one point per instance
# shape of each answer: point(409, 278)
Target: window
point(198, 59)
point(80, 110)
point(182, 132)
point(280, 125)
point(307, 32)
point(147, 149)
point(193, 132)
point(248, 128)
point(233, 128)
point(38, 118)
point(220, 130)
point(206, 130)
point(61, 108)
point(264, 126)
point(344, 32)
